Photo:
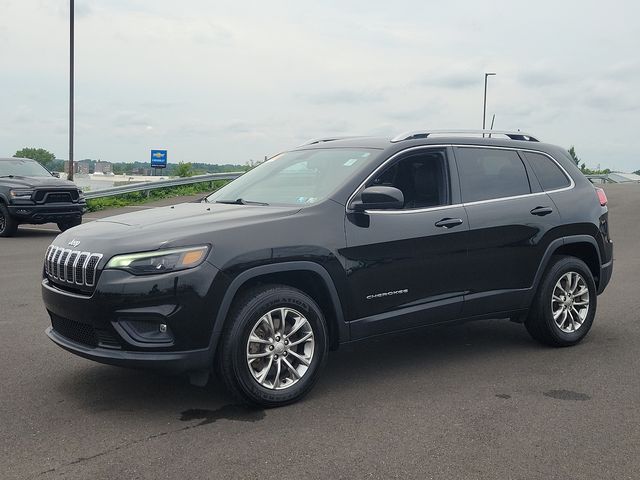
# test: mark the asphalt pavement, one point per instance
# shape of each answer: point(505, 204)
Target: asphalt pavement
point(473, 401)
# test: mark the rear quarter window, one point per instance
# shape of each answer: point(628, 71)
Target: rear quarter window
point(549, 174)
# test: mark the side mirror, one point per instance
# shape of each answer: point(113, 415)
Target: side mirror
point(380, 198)
point(55, 174)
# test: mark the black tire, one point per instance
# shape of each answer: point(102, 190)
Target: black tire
point(540, 322)
point(64, 226)
point(232, 364)
point(8, 224)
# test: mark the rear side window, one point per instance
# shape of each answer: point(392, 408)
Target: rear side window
point(549, 174)
point(487, 173)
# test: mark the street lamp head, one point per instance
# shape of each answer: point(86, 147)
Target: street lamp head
point(487, 74)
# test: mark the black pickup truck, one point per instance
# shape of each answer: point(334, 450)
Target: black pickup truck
point(29, 193)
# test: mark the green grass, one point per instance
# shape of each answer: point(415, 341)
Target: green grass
point(138, 198)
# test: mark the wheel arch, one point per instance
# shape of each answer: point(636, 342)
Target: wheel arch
point(583, 247)
point(306, 276)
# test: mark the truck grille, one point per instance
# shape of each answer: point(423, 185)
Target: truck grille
point(72, 267)
point(56, 196)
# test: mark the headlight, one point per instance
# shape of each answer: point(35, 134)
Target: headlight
point(160, 261)
point(21, 194)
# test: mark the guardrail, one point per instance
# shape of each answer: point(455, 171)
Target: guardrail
point(602, 177)
point(147, 186)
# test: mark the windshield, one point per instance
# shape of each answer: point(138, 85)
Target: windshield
point(300, 177)
point(22, 168)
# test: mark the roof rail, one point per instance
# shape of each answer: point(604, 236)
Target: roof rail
point(425, 133)
point(327, 139)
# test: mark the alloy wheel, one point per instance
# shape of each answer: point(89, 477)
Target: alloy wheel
point(280, 348)
point(570, 302)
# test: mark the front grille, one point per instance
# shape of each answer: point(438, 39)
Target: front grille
point(71, 267)
point(84, 333)
point(76, 331)
point(56, 196)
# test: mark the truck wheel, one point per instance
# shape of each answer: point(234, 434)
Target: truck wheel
point(64, 226)
point(565, 305)
point(8, 224)
point(273, 346)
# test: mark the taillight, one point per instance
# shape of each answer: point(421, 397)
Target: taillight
point(601, 196)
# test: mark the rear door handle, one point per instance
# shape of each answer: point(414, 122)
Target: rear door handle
point(449, 222)
point(542, 211)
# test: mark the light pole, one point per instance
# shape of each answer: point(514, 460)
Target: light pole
point(71, 42)
point(484, 109)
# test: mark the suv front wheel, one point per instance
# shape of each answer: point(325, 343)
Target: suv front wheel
point(565, 305)
point(273, 347)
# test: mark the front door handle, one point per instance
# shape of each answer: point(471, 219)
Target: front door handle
point(542, 211)
point(449, 222)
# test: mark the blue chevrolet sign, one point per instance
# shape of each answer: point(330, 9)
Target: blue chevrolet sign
point(158, 158)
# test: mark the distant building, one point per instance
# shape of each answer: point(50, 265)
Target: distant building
point(103, 167)
point(142, 171)
point(81, 167)
point(618, 177)
point(614, 177)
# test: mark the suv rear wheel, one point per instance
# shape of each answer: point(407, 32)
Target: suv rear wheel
point(565, 305)
point(8, 225)
point(274, 346)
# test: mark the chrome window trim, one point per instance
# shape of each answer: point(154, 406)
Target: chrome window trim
point(566, 174)
point(462, 204)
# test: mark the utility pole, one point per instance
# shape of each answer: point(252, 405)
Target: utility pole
point(71, 48)
point(484, 109)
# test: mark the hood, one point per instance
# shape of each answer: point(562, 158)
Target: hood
point(36, 182)
point(177, 225)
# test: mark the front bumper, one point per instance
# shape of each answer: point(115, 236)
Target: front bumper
point(169, 362)
point(118, 322)
point(37, 214)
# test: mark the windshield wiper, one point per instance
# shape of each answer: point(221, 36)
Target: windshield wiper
point(240, 201)
point(6, 176)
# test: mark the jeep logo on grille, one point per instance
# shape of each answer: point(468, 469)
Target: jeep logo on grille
point(74, 243)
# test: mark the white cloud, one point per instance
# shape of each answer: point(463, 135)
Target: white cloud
point(230, 80)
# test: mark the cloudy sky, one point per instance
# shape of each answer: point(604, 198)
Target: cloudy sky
point(228, 81)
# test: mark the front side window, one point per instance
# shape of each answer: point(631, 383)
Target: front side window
point(488, 173)
point(22, 168)
point(300, 177)
point(549, 174)
point(421, 176)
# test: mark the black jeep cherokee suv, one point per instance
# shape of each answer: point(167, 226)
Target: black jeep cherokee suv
point(29, 193)
point(332, 242)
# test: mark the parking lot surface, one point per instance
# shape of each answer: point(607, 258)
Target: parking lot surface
point(473, 401)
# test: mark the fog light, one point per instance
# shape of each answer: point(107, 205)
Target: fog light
point(144, 332)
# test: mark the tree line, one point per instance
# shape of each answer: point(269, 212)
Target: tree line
point(182, 169)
